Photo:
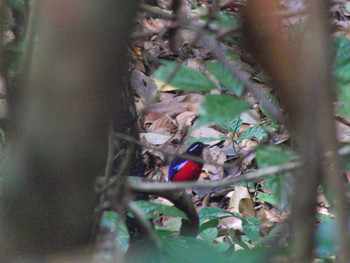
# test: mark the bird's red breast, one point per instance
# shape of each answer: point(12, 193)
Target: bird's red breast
point(189, 172)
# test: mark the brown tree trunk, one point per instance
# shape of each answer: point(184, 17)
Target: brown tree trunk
point(60, 123)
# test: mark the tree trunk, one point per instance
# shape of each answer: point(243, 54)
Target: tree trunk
point(60, 120)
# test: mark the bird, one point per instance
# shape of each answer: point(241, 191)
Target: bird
point(182, 169)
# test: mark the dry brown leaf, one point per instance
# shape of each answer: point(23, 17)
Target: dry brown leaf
point(234, 223)
point(151, 117)
point(250, 117)
point(235, 196)
point(207, 132)
point(246, 207)
point(163, 125)
point(265, 224)
point(169, 107)
point(144, 86)
point(192, 102)
point(343, 132)
point(215, 154)
point(185, 118)
point(162, 96)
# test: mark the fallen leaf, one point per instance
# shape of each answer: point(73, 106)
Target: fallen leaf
point(155, 138)
point(164, 125)
point(250, 117)
point(144, 86)
point(216, 155)
point(185, 118)
point(343, 132)
point(151, 117)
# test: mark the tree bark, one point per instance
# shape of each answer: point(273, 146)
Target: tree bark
point(60, 124)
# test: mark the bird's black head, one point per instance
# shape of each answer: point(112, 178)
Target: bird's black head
point(196, 149)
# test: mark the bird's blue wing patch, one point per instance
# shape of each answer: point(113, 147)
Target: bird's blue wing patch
point(176, 166)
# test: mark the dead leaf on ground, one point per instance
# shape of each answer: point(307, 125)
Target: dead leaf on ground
point(250, 117)
point(206, 132)
point(151, 117)
point(343, 132)
point(144, 86)
point(246, 207)
point(192, 102)
point(170, 107)
point(235, 196)
point(216, 155)
point(154, 138)
point(233, 223)
point(163, 125)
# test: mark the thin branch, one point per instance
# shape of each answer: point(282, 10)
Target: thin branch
point(118, 178)
point(138, 185)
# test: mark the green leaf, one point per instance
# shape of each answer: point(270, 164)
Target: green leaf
point(208, 213)
point(151, 208)
point(267, 155)
point(342, 73)
point(279, 185)
point(185, 249)
point(184, 78)
point(109, 220)
point(273, 100)
point(268, 198)
point(254, 255)
point(209, 235)
point(344, 97)
point(209, 224)
point(326, 239)
point(173, 225)
point(219, 108)
point(225, 77)
point(251, 227)
point(258, 132)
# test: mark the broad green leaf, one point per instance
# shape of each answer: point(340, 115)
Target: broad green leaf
point(186, 249)
point(208, 213)
point(109, 220)
point(258, 132)
point(209, 224)
point(251, 227)
point(254, 255)
point(225, 77)
point(344, 97)
point(267, 155)
point(183, 77)
point(342, 73)
point(234, 125)
point(268, 198)
point(173, 225)
point(209, 235)
point(219, 108)
point(279, 185)
point(151, 208)
point(326, 241)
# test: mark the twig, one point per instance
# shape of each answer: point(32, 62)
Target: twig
point(148, 187)
point(118, 178)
